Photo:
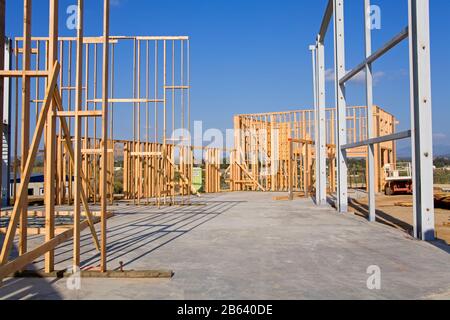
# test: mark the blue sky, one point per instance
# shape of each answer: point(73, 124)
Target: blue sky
point(252, 56)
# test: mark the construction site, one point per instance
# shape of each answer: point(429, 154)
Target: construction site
point(107, 195)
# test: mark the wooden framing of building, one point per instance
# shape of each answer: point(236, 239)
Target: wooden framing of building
point(275, 151)
point(51, 112)
point(68, 84)
point(160, 102)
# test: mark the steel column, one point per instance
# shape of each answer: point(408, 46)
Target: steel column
point(370, 124)
point(341, 107)
point(421, 118)
point(321, 151)
point(316, 121)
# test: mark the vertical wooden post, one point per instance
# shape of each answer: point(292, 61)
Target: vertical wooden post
point(237, 156)
point(291, 170)
point(112, 163)
point(138, 125)
point(274, 153)
point(77, 156)
point(16, 123)
point(104, 201)
point(94, 144)
point(25, 118)
point(60, 186)
point(86, 143)
point(51, 143)
point(67, 162)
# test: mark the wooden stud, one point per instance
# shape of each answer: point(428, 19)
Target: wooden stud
point(50, 144)
point(104, 144)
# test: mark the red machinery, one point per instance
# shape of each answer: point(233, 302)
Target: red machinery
point(398, 179)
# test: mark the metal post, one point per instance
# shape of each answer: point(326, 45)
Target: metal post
point(370, 125)
point(313, 57)
point(321, 141)
point(6, 129)
point(3, 102)
point(341, 135)
point(421, 118)
point(316, 122)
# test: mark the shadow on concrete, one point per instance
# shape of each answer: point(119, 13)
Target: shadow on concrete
point(441, 245)
point(331, 200)
point(362, 210)
point(25, 289)
point(151, 231)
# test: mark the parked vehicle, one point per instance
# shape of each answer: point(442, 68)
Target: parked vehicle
point(398, 178)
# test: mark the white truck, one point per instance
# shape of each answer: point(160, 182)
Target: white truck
point(398, 178)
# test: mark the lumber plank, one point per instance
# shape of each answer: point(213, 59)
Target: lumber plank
point(23, 188)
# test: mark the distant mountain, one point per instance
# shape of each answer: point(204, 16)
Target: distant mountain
point(439, 150)
point(404, 152)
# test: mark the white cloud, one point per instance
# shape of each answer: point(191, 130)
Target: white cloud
point(360, 78)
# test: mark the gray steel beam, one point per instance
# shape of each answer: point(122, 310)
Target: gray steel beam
point(321, 140)
point(421, 118)
point(313, 57)
point(326, 21)
point(316, 118)
point(370, 124)
point(341, 107)
point(3, 95)
point(391, 137)
point(375, 56)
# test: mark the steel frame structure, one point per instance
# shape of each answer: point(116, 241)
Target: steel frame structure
point(418, 33)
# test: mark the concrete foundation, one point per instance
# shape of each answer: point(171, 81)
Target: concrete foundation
point(249, 246)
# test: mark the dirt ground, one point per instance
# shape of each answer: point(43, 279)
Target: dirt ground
point(396, 211)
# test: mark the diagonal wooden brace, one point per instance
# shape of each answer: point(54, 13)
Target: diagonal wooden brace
point(25, 179)
point(68, 142)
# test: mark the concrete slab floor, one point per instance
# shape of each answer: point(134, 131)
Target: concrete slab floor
point(249, 246)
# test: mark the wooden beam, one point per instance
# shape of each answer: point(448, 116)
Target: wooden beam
point(69, 148)
point(24, 260)
point(95, 151)
point(19, 205)
point(50, 144)
point(251, 177)
point(186, 180)
point(104, 143)
point(20, 51)
point(125, 274)
point(77, 154)
point(86, 40)
point(24, 73)
point(124, 100)
point(25, 143)
point(146, 154)
point(81, 113)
